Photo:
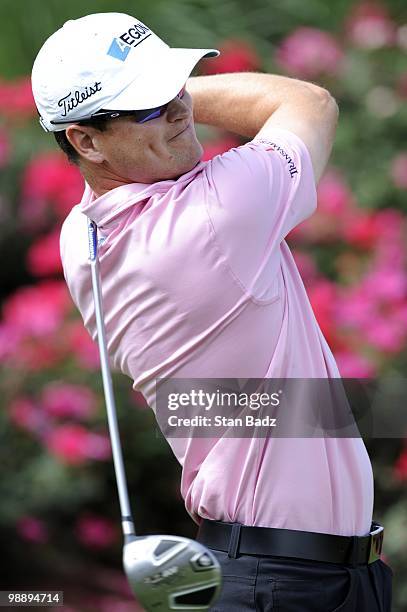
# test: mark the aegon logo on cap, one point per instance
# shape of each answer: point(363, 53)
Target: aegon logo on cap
point(120, 47)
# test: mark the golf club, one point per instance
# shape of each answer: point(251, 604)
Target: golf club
point(164, 572)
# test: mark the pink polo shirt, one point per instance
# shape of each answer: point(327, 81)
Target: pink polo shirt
point(198, 282)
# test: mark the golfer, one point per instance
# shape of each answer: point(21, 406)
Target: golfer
point(198, 282)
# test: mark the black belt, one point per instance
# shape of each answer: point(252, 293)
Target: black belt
point(234, 538)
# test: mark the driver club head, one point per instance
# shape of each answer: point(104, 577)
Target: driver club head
point(171, 573)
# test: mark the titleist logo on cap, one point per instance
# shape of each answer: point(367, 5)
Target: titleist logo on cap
point(72, 100)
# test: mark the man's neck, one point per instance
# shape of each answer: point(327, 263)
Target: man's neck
point(100, 183)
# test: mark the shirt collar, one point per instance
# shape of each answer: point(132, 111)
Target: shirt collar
point(103, 209)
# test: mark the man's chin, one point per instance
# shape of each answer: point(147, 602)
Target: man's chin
point(175, 178)
point(190, 165)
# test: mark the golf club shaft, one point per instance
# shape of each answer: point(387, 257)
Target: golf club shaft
point(127, 519)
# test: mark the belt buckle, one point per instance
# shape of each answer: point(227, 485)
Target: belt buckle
point(375, 543)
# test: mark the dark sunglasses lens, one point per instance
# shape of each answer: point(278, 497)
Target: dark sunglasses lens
point(142, 116)
point(152, 113)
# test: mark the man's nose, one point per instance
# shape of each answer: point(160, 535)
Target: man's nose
point(177, 109)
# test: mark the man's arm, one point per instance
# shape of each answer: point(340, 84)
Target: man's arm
point(251, 104)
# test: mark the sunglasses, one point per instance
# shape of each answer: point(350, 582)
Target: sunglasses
point(140, 116)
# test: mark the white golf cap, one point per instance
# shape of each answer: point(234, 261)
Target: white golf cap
point(107, 61)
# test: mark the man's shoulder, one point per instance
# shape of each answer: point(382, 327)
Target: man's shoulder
point(73, 235)
point(74, 220)
point(75, 216)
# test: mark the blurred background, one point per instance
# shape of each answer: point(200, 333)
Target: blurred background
point(59, 526)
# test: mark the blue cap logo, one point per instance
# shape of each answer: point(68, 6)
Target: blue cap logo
point(119, 50)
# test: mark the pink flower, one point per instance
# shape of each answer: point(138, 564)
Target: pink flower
point(306, 266)
point(39, 309)
point(308, 53)
point(361, 230)
point(49, 180)
point(82, 346)
point(68, 444)
point(389, 253)
point(16, 99)
point(389, 249)
point(323, 296)
point(217, 147)
point(370, 27)
point(335, 203)
point(4, 148)
point(386, 334)
point(72, 444)
point(9, 341)
point(43, 256)
point(392, 224)
point(400, 467)
point(399, 313)
point(96, 531)
point(64, 400)
point(236, 56)
point(399, 170)
point(99, 447)
point(36, 354)
point(355, 308)
point(386, 284)
point(32, 529)
point(27, 343)
point(26, 415)
point(352, 365)
point(334, 196)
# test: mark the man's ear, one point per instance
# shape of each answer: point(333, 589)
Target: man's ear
point(84, 141)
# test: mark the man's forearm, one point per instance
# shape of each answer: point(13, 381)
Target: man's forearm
point(242, 102)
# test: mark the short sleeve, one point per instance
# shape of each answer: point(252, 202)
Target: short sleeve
point(257, 194)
